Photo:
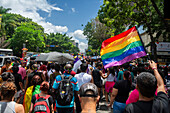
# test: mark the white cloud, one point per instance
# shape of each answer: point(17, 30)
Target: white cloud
point(73, 10)
point(83, 46)
point(77, 34)
point(29, 8)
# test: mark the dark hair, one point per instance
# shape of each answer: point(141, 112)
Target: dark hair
point(126, 65)
point(141, 69)
point(36, 81)
point(31, 64)
point(147, 84)
point(15, 69)
point(99, 64)
point(52, 66)
point(112, 70)
point(57, 67)
point(8, 90)
point(7, 76)
point(83, 67)
point(127, 75)
point(44, 86)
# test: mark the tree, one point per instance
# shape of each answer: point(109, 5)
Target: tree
point(29, 33)
point(96, 33)
point(4, 10)
point(120, 14)
point(63, 42)
point(10, 22)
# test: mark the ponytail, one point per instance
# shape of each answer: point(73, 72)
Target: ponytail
point(127, 75)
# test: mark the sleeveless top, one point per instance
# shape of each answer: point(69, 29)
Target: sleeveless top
point(7, 107)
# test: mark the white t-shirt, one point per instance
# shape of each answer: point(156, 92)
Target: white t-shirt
point(51, 71)
point(110, 78)
point(83, 78)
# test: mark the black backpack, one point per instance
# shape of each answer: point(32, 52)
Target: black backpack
point(64, 93)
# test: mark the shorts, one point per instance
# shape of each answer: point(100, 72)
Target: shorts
point(109, 86)
point(118, 107)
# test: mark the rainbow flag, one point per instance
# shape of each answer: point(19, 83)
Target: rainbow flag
point(122, 48)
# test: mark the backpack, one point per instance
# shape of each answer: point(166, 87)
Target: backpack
point(64, 93)
point(41, 104)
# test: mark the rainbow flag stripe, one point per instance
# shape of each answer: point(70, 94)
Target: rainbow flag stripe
point(122, 48)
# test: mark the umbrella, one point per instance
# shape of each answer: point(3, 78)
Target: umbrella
point(42, 57)
point(55, 57)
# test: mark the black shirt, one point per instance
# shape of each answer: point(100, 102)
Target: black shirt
point(18, 79)
point(97, 78)
point(158, 105)
point(124, 88)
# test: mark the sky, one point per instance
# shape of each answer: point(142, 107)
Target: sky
point(63, 16)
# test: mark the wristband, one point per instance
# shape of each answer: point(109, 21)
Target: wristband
point(154, 68)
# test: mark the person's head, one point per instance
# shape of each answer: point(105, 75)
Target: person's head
point(15, 69)
point(23, 63)
point(99, 65)
point(7, 76)
point(34, 67)
point(140, 70)
point(127, 76)
point(68, 68)
point(126, 66)
point(57, 67)
point(146, 84)
point(87, 60)
point(31, 64)
point(83, 67)
point(88, 94)
point(44, 86)
point(112, 70)
point(36, 80)
point(8, 90)
point(52, 66)
point(8, 62)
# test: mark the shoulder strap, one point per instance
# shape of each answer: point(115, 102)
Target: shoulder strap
point(62, 77)
point(70, 77)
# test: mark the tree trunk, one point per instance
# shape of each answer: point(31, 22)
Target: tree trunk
point(161, 16)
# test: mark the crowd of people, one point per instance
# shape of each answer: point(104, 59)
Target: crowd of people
point(49, 87)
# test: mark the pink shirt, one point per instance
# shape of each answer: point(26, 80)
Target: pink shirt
point(134, 96)
point(22, 71)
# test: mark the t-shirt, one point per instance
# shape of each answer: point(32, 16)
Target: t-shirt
point(18, 79)
point(158, 105)
point(124, 88)
point(110, 78)
point(22, 71)
point(75, 88)
point(97, 78)
point(133, 97)
point(50, 100)
point(83, 78)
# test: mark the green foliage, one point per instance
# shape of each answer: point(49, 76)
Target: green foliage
point(120, 14)
point(96, 33)
point(10, 22)
point(30, 34)
point(63, 41)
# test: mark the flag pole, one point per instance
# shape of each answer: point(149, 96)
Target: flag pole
point(148, 56)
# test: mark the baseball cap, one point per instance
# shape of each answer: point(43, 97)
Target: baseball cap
point(88, 87)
